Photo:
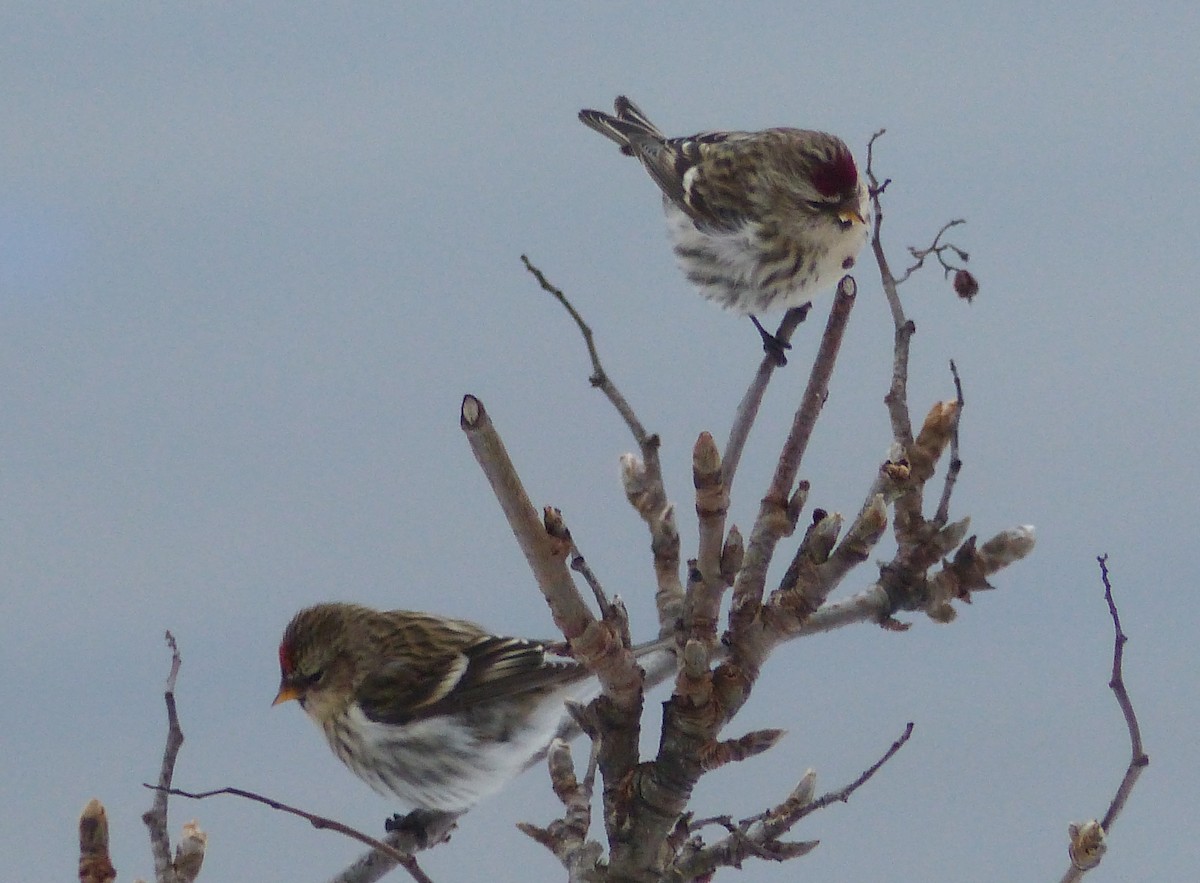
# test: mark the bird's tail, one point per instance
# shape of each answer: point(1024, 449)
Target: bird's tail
point(629, 128)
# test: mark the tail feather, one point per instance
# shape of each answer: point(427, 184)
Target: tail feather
point(641, 139)
point(629, 128)
point(632, 114)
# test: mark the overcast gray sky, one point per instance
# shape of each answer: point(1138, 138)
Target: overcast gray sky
point(251, 259)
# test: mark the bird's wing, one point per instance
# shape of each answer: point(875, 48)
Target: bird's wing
point(668, 161)
point(488, 669)
point(701, 174)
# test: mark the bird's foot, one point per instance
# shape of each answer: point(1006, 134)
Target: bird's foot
point(772, 345)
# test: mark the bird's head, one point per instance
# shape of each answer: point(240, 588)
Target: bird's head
point(837, 188)
point(316, 667)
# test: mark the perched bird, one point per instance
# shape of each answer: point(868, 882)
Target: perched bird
point(436, 711)
point(759, 220)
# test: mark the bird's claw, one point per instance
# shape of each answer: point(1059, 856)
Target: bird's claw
point(772, 345)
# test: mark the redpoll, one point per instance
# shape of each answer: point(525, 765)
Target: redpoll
point(435, 711)
point(759, 220)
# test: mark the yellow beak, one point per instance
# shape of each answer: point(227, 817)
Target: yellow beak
point(850, 215)
point(286, 693)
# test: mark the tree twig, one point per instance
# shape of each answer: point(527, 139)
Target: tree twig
point(705, 581)
point(759, 835)
point(642, 478)
point(402, 858)
point(747, 410)
point(599, 378)
point(546, 556)
point(843, 794)
point(943, 510)
point(1088, 839)
point(938, 250)
point(778, 510)
point(1138, 757)
point(155, 818)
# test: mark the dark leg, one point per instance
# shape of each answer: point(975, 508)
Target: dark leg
point(772, 345)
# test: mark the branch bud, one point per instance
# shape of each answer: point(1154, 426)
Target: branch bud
point(1087, 844)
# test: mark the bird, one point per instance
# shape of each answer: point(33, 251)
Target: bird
point(759, 221)
point(437, 712)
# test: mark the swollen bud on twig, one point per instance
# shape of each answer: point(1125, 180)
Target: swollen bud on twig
point(802, 794)
point(1087, 845)
point(639, 488)
point(936, 433)
point(952, 534)
point(821, 535)
point(95, 866)
point(1008, 546)
point(562, 769)
point(718, 754)
point(189, 854)
point(732, 555)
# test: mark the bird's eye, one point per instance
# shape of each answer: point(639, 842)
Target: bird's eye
point(303, 682)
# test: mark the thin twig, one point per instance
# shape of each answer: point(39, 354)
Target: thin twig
point(943, 510)
point(1138, 757)
point(938, 251)
point(1087, 839)
point(776, 514)
point(571, 614)
point(897, 397)
point(155, 818)
point(705, 580)
point(885, 271)
point(643, 479)
point(747, 410)
point(579, 565)
point(599, 378)
point(758, 835)
point(842, 795)
point(373, 865)
point(407, 860)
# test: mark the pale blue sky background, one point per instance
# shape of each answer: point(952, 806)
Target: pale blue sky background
point(250, 260)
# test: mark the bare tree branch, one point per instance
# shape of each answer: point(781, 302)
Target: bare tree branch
point(943, 509)
point(645, 804)
point(747, 409)
point(937, 250)
point(546, 556)
point(567, 837)
point(434, 828)
point(595, 643)
point(155, 818)
point(779, 508)
point(642, 478)
point(599, 378)
point(404, 858)
point(758, 836)
point(1088, 839)
point(1138, 757)
point(706, 580)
